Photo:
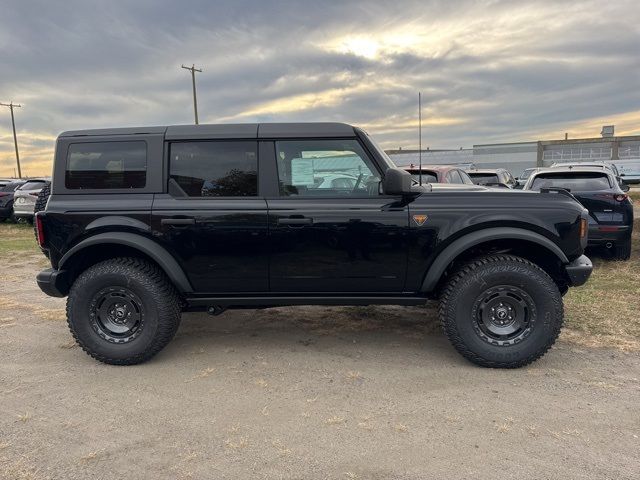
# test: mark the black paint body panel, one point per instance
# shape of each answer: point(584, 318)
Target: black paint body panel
point(295, 247)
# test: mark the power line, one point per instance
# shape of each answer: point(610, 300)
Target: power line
point(193, 71)
point(11, 106)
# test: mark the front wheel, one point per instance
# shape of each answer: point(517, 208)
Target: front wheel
point(123, 311)
point(501, 311)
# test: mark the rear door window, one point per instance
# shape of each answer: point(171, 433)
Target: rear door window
point(214, 169)
point(106, 165)
point(574, 182)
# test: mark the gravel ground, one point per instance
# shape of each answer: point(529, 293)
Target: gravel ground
point(344, 393)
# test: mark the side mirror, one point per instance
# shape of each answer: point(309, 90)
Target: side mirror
point(397, 182)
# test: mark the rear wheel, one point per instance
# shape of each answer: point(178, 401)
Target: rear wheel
point(501, 311)
point(123, 311)
point(622, 250)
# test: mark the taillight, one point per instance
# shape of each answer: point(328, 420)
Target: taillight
point(39, 230)
point(583, 227)
point(620, 197)
point(3, 194)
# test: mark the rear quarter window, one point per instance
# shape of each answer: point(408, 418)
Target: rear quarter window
point(574, 182)
point(106, 165)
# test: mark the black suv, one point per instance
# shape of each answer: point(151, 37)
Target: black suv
point(603, 194)
point(144, 223)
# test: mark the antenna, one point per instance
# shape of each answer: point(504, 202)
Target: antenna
point(420, 136)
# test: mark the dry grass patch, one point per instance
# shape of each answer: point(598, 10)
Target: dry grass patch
point(16, 238)
point(241, 443)
point(604, 312)
point(335, 420)
point(52, 314)
point(24, 417)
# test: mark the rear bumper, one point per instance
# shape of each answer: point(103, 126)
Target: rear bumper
point(601, 234)
point(23, 209)
point(53, 282)
point(579, 271)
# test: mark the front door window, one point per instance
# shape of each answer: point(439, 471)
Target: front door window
point(325, 168)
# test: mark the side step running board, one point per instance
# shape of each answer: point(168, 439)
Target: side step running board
point(310, 300)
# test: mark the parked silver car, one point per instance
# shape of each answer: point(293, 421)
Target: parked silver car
point(24, 199)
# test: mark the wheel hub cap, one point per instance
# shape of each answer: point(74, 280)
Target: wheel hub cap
point(117, 314)
point(503, 315)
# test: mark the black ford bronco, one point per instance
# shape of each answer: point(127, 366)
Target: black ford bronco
point(144, 223)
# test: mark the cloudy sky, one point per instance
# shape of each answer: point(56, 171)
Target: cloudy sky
point(489, 71)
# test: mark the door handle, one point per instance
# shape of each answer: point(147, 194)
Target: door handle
point(295, 221)
point(178, 221)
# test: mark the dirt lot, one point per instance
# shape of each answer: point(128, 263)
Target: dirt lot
point(344, 393)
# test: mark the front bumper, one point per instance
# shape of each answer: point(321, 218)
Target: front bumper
point(579, 271)
point(53, 282)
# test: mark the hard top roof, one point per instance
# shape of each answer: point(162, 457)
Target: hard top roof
point(243, 130)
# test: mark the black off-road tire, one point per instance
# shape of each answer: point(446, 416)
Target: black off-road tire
point(146, 288)
point(622, 250)
point(464, 307)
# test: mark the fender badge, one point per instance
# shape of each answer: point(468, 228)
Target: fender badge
point(420, 219)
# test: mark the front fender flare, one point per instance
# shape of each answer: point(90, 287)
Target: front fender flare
point(164, 259)
point(449, 254)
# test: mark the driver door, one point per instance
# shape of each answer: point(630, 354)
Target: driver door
point(331, 230)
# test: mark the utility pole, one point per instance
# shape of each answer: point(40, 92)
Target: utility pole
point(193, 71)
point(420, 134)
point(11, 105)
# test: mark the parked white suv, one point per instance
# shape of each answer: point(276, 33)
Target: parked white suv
point(25, 197)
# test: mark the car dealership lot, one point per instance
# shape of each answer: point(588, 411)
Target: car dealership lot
point(311, 392)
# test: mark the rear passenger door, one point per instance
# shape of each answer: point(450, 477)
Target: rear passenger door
point(331, 230)
point(212, 217)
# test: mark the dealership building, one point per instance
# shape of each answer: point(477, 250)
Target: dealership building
point(624, 152)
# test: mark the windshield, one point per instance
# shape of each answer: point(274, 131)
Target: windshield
point(482, 178)
point(33, 185)
point(574, 182)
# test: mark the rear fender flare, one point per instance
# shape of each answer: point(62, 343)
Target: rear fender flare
point(145, 245)
point(451, 252)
